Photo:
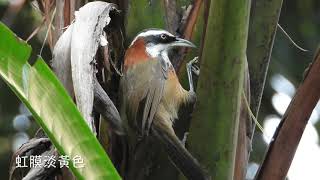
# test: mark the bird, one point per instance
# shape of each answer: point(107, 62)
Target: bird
point(152, 94)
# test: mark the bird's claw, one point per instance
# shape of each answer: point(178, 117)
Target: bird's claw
point(192, 68)
point(192, 65)
point(195, 69)
point(193, 61)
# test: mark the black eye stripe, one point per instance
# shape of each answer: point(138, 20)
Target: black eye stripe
point(164, 38)
point(159, 39)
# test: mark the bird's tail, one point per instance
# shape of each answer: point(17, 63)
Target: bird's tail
point(180, 156)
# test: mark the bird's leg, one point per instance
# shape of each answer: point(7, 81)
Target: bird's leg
point(191, 68)
point(184, 139)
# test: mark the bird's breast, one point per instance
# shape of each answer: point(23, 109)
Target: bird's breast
point(173, 94)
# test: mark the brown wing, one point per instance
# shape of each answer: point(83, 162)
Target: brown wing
point(143, 91)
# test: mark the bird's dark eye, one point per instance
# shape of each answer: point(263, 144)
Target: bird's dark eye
point(163, 36)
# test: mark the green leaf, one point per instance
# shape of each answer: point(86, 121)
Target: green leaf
point(52, 107)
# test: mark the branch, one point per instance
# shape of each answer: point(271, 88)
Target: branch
point(35, 146)
point(172, 19)
point(104, 105)
point(186, 29)
point(288, 134)
point(43, 172)
point(188, 26)
point(59, 22)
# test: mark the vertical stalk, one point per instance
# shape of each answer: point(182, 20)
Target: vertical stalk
point(215, 123)
point(263, 25)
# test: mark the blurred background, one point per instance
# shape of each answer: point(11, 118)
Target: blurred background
point(300, 19)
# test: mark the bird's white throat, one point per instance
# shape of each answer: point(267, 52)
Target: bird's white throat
point(159, 50)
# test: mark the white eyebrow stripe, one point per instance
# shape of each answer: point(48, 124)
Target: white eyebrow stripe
point(151, 32)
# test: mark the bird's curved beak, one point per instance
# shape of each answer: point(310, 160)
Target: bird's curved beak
point(183, 43)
